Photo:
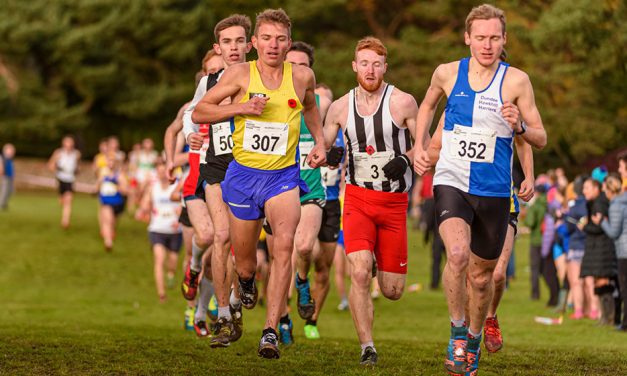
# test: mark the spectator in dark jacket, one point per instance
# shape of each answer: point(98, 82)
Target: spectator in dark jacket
point(599, 259)
point(615, 226)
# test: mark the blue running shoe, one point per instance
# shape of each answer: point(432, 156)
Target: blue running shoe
point(285, 333)
point(455, 362)
point(473, 353)
point(189, 318)
point(306, 305)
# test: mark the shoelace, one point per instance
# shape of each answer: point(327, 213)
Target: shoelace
point(270, 338)
point(457, 344)
point(305, 298)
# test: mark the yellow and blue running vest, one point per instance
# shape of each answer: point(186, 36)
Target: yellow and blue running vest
point(269, 141)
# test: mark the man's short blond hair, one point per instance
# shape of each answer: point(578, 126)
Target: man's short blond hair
point(274, 16)
point(485, 12)
point(230, 21)
point(371, 43)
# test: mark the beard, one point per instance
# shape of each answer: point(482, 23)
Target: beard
point(369, 86)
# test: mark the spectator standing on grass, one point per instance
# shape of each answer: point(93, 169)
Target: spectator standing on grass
point(576, 214)
point(533, 220)
point(615, 226)
point(599, 259)
point(6, 175)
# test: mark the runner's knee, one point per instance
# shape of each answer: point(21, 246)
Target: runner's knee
point(458, 257)
point(361, 276)
point(393, 292)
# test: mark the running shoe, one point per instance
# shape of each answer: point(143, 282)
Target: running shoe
point(493, 340)
point(455, 362)
point(473, 354)
point(311, 332)
point(343, 306)
point(368, 357)
point(224, 332)
point(238, 322)
point(285, 333)
point(201, 329)
point(189, 318)
point(189, 287)
point(268, 345)
point(306, 305)
point(248, 294)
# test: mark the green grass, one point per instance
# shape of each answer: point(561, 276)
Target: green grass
point(67, 307)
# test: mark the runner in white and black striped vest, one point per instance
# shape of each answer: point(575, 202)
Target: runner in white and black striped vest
point(377, 181)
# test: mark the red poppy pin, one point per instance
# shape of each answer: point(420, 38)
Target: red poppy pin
point(369, 150)
point(291, 103)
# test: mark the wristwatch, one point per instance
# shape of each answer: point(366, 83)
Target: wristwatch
point(523, 128)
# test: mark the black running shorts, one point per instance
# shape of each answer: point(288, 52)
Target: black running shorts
point(184, 218)
point(513, 221)
point(330, 229)
point(488, 218)
point(65, 187)
point(214, 170)
point(172, 242)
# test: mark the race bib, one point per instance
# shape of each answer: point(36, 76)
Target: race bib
point(265, 137)
point(330, 177)
point(108, 189)
point(473, 145)
point(222, 138)
point(369, 168)
point(305, 148)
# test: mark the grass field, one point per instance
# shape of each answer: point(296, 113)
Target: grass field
point(67, 307)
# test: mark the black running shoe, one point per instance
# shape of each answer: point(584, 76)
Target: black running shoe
point(238, 323)
point(369, 357)
point(306, 305)
point(248, 294)
point(223, 336)
point(268, 346)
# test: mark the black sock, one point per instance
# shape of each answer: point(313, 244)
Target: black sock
point(285, 319)
point(312, 322)
point(299, 279)
point(268, 330)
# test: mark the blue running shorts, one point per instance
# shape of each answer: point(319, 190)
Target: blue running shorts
point(245, 190)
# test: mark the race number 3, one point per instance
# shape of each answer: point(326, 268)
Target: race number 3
point(370, 167)
point(473, 145)
point(265, 137)
point(222, 138)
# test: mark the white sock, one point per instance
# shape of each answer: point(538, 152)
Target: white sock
point(458, 323)
point(206, 290)
point(197, 252)
point(364, 345)
point(224, 312)
point(234, 300)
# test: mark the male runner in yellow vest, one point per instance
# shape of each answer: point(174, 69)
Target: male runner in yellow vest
point(263, 180)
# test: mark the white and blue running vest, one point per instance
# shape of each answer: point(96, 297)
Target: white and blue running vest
point(476, 111)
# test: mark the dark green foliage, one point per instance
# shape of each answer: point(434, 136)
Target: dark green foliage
point(99, 67)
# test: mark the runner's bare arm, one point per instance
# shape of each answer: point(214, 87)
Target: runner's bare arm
point(122, 184)
point(190, 129)
point(169, 144)
point(429, 104)
point(405, 104)
point(145, 206)
point(435, 146)
point(332, 121)
point(425, 117)
point(535, 134)
point(52, 162)
point(180, 157)
point(325, 103)
point(317, 157)
point(233, 81)
point(525, 156)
